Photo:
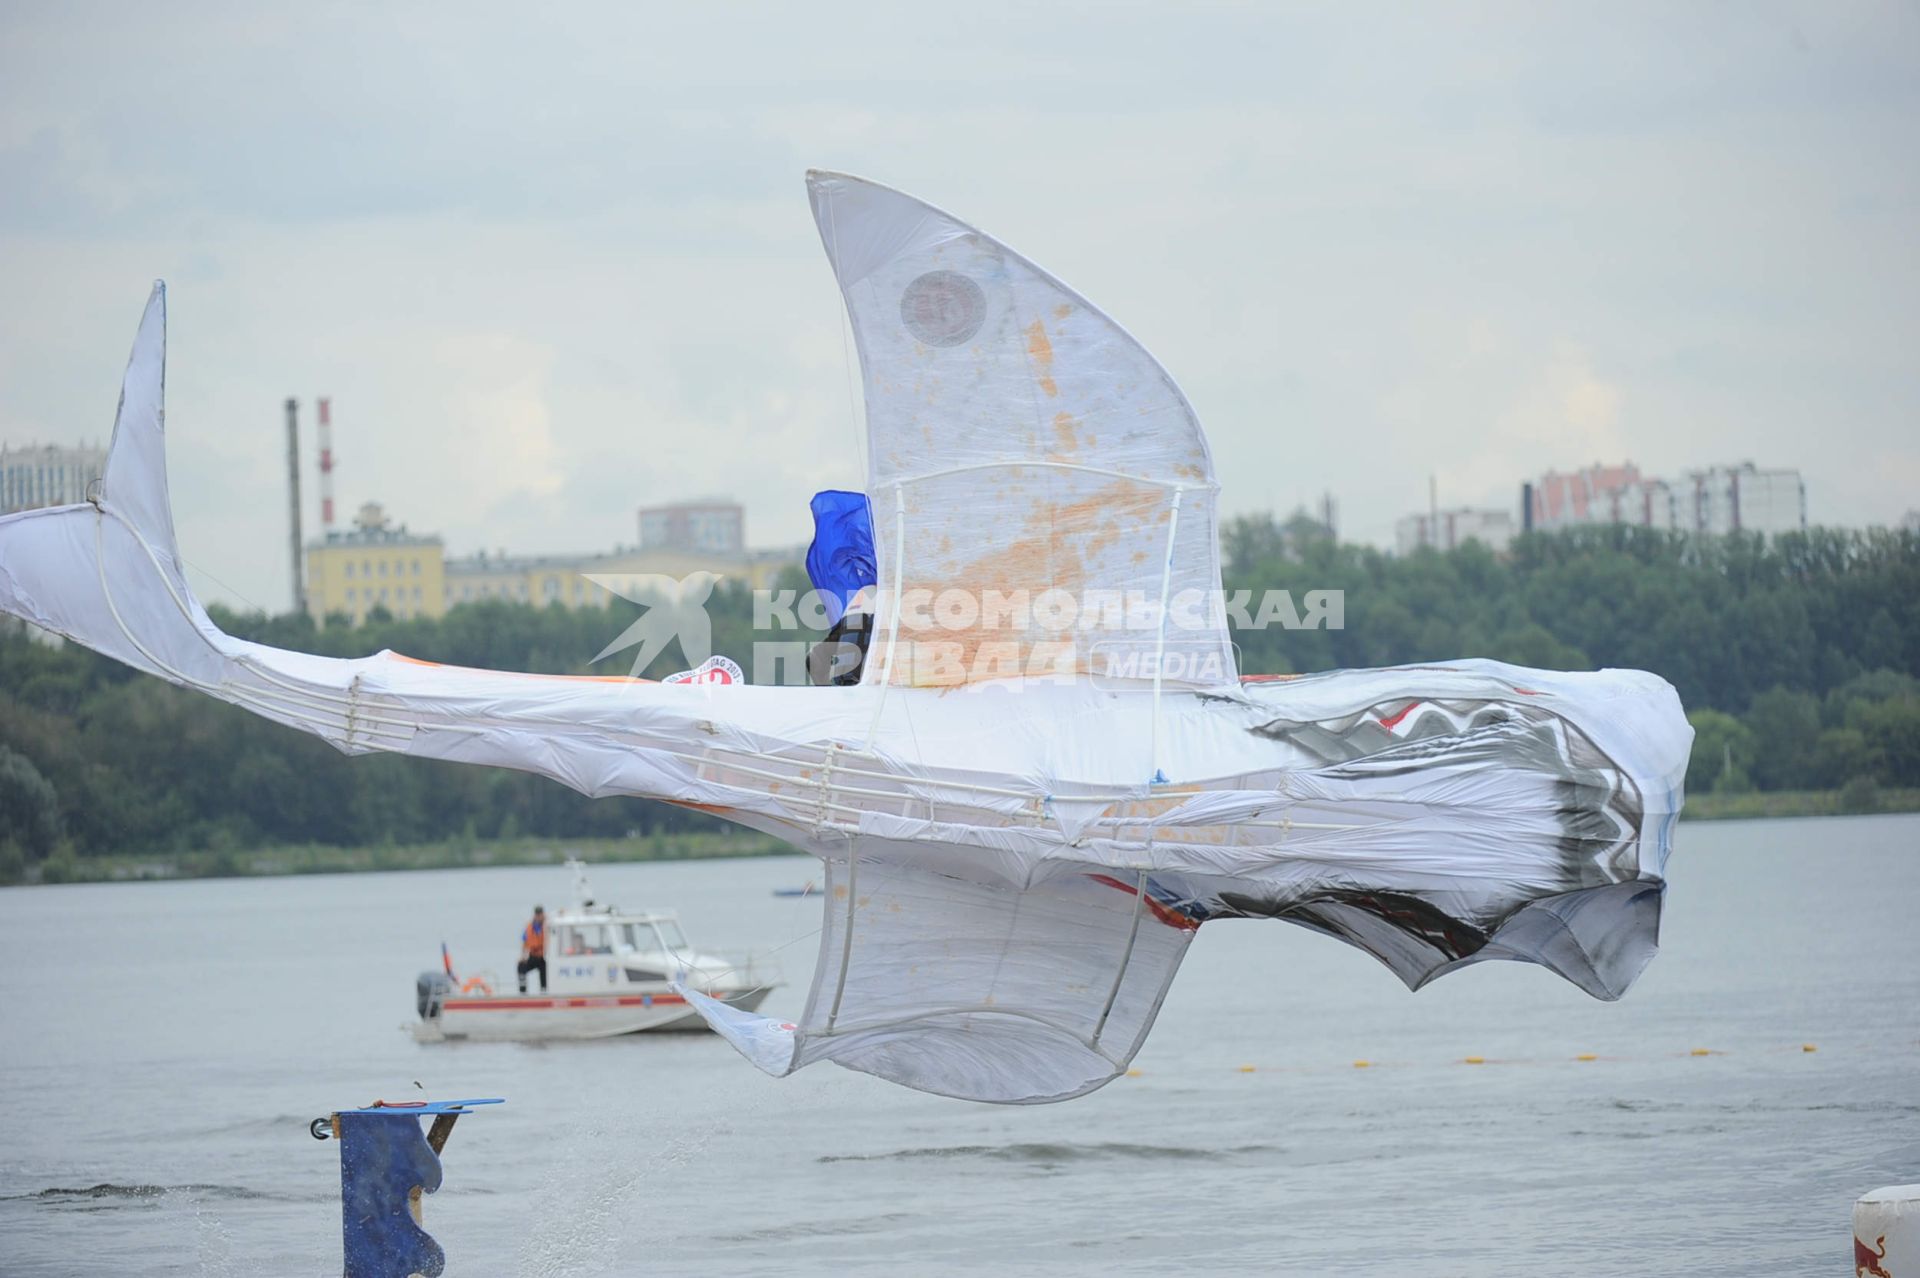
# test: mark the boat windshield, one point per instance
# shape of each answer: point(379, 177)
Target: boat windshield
point(586, 938)
point(661, 937)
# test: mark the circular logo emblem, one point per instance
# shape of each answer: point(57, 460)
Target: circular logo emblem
point(715, 669)
point(943, 308)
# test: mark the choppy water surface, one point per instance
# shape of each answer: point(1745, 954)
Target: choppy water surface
point(165, 1044)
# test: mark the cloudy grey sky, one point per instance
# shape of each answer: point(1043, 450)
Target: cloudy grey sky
point(554, 262)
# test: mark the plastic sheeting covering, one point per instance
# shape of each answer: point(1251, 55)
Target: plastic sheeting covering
point(1015, 866)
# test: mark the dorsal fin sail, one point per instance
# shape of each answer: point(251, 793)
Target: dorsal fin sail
point(1042, 491)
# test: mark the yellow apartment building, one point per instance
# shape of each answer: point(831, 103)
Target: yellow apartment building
point(372, 565)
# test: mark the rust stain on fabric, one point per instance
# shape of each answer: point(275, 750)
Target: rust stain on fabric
point(1041, 351)
point(1149, 809)
point(1065, 441)
point(1057, 543)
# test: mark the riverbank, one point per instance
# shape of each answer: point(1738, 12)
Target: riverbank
point(1854, 800)
point(459, 854)
point(452, 854)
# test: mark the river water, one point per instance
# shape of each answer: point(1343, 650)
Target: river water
point(165, 1045)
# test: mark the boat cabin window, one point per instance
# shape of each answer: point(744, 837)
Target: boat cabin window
point(585, 938)
point(655, 937)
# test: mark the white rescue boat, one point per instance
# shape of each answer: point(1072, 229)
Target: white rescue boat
point(611, 972)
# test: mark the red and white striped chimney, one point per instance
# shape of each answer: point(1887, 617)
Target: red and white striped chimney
point(326, 466)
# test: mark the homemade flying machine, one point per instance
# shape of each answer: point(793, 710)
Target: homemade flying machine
point(1021, 822)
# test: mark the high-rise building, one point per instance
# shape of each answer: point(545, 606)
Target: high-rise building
point(1654, 504)
point(714, 526)
point(1596, 495)
point(1451, 529)
point(1721, 499)
point(47, 475)
point(1745, 498)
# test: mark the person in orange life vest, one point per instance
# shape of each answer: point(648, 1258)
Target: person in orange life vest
point(533, 950)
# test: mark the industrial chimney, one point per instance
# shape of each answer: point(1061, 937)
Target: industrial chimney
point(293, 503)
point(326, 466)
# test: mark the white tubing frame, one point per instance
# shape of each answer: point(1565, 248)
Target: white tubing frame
point(1160, 638)
point(893, 627)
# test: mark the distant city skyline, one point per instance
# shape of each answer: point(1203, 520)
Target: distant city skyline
point(552, 271)
point(371, 563)
point(1715, 500)
point(33, 476)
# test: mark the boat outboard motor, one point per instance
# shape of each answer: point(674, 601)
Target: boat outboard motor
point(429, 991)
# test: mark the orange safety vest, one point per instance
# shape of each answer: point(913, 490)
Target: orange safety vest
point(534, 938)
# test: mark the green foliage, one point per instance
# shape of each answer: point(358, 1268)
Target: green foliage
point(1840, 757)
point(1892, 732)
point(1785, 724)
point(29, 808)
point(1722, 618)
point(1869, 689)
point(1722, 753)
point(60, 868)
point(1734, 780)
point(1860, 795)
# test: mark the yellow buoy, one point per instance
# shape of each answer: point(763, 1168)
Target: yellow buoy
point(1361, 1064)
point(1702, 1051)
point(1808, 1047)
point(1476, 1060)
point(1586, 1056)
point(1133, 1073)
point(1246, 1069)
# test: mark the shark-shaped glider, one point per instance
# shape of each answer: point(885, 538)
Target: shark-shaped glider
point(1022, 822)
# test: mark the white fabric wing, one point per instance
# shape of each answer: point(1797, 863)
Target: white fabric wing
point(1024, 447)
point(975, 988)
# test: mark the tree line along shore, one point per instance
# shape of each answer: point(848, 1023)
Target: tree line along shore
point(1798, 660)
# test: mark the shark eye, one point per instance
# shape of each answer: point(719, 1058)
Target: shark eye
point(943, 308)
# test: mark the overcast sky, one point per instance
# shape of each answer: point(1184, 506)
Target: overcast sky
point(555, 262)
